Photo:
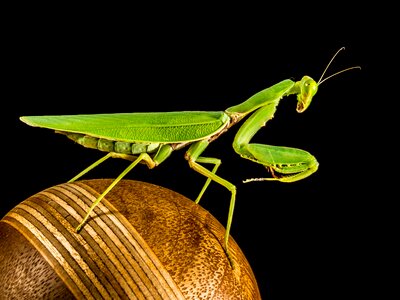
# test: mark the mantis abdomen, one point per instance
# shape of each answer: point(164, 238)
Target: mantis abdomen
point(107, 145)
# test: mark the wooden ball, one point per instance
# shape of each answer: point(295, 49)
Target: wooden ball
point(141, 242)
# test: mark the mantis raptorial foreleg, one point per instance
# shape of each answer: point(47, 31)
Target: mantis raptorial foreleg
point(286, 164)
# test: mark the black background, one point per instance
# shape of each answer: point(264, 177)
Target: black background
point(310, 239)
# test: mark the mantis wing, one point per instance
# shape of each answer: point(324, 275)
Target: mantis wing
point(158, 127)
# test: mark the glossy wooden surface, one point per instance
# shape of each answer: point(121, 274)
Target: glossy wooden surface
point(142, 242)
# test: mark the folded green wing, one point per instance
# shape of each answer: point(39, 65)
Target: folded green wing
point(160, 127)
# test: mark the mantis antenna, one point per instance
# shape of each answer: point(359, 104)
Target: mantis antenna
point(320, 81)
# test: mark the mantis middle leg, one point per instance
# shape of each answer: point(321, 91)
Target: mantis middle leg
point(194, 158)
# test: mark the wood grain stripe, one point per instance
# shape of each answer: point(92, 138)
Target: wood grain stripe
point(89, 256)
point(57, 257)
point(129, 241)
point(108, 259)
point(98, 234)
point(132, 240)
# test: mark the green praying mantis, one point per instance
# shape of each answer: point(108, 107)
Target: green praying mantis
point(150, 138)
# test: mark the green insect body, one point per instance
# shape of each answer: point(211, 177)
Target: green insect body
point(151, 138)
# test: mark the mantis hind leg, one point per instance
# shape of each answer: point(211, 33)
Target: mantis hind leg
point(162, 154)
point(98, 162)
point(142, 156)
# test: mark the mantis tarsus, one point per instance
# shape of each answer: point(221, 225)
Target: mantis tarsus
point(150, 138)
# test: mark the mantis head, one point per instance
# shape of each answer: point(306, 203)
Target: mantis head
point(308, 87)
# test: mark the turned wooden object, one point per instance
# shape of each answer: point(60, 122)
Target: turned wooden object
point(141, 242)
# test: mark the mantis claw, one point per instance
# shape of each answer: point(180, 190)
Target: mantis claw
point(289, 173)
point(260, 179)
